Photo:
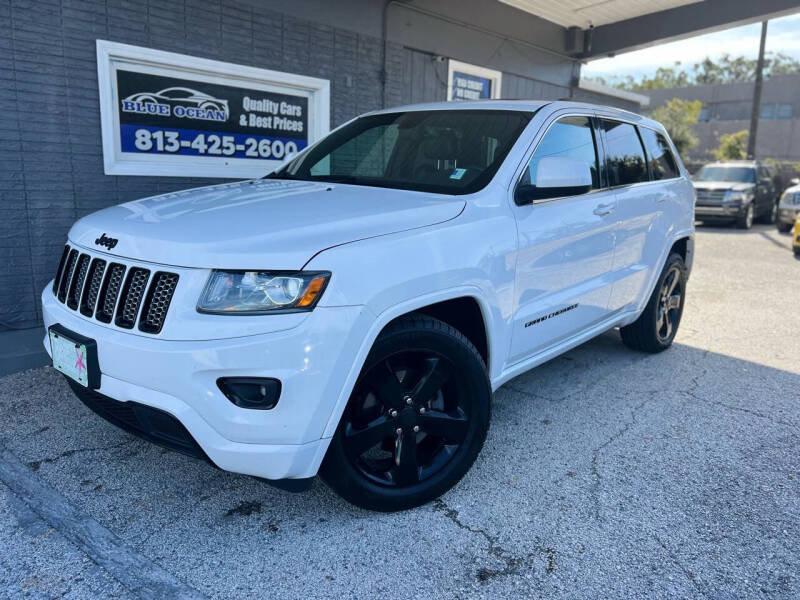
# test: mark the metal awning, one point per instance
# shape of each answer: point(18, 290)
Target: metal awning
point(606, 27)
point(585, 13)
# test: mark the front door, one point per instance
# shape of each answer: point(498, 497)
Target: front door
point(566, 249)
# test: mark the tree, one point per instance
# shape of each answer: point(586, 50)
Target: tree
point(732, 146)
point(677, 116)
point(725, 69)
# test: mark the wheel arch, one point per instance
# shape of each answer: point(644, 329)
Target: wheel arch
point(443, 303)
point(681, 242)
point(685, 247)
point(463, 313)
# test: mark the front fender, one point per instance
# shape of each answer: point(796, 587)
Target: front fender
point(396, 274)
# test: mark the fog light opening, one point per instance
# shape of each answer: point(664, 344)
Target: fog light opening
point(251, 392)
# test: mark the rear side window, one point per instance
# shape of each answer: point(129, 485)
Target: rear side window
point(659, 155)
point(625, 161)
point(571, 137)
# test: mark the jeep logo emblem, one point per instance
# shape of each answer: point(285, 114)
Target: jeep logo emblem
point(106, 241)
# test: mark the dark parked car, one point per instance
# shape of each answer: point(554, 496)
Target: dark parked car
point(736, 192)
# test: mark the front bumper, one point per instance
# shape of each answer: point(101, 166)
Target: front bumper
point(727, 212)
point(788, 214)
point(311, 359)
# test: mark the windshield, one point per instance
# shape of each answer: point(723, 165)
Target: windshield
point(442, 151)
point(733, 174)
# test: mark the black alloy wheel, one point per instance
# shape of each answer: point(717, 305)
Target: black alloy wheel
point(670, 304)
point(406, 419)
point(655, 329)
point(416, 418)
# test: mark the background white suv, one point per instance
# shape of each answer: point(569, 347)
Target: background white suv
point(352, 312)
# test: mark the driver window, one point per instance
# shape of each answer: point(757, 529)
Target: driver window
point(571, 137)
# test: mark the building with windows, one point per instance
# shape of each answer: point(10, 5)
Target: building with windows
point(105, 101)
point(727, 109)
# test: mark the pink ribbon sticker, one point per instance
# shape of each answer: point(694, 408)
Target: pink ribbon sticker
point(79, 364)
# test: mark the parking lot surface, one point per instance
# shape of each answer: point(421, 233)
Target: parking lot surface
point(606, 473)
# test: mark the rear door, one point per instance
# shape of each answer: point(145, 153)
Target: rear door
point(566, 248)
point(644, 175)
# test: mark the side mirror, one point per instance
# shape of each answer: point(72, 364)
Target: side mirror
point(556, 176)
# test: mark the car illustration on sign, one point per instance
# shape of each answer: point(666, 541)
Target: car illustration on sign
point(180, 101)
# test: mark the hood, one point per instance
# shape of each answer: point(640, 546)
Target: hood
point(722, 185)
point(260, 224)
point(792, 190)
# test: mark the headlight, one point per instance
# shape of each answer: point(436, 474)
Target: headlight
point(790, 198)
point(262, 292)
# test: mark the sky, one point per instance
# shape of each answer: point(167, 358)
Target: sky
point(783, 35)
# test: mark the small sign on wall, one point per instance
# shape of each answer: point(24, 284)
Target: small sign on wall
point(176, 115)
point(471, 82)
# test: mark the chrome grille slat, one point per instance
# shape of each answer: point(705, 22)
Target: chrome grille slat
point(131, 297)
point(117, 293)
point(711, 196)
point(76, 286)
point(159, 296)
point(60, 271)
point(66, 277)
point(92, 288)
point(109, 293)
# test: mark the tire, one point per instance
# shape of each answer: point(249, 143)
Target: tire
point(771, 215)
point(796, 250)
point(784, 227)
point(421, 373)
point(745, 220)
point(649, 333)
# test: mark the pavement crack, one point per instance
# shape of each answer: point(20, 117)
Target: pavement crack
point(512, 563)
point(740, 409)
point(36, 464)
point(181, 514)
point(676, 561)
point(598, 479)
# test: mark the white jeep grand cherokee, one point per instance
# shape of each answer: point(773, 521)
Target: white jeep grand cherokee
point(351, 313)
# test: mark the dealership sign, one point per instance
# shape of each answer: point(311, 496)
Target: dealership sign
point(471, 82)
point(171, 114)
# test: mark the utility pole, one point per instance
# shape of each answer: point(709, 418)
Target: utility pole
point(756, 112)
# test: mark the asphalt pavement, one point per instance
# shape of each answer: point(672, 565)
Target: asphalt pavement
point(606, 473)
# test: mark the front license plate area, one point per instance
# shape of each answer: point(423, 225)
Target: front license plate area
point(75, 356)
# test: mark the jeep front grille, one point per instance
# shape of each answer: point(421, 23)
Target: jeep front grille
point(114, 292)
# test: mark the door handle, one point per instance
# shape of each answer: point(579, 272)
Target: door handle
point(604, 209)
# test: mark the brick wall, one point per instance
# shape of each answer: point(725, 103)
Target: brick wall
point(51, 164)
